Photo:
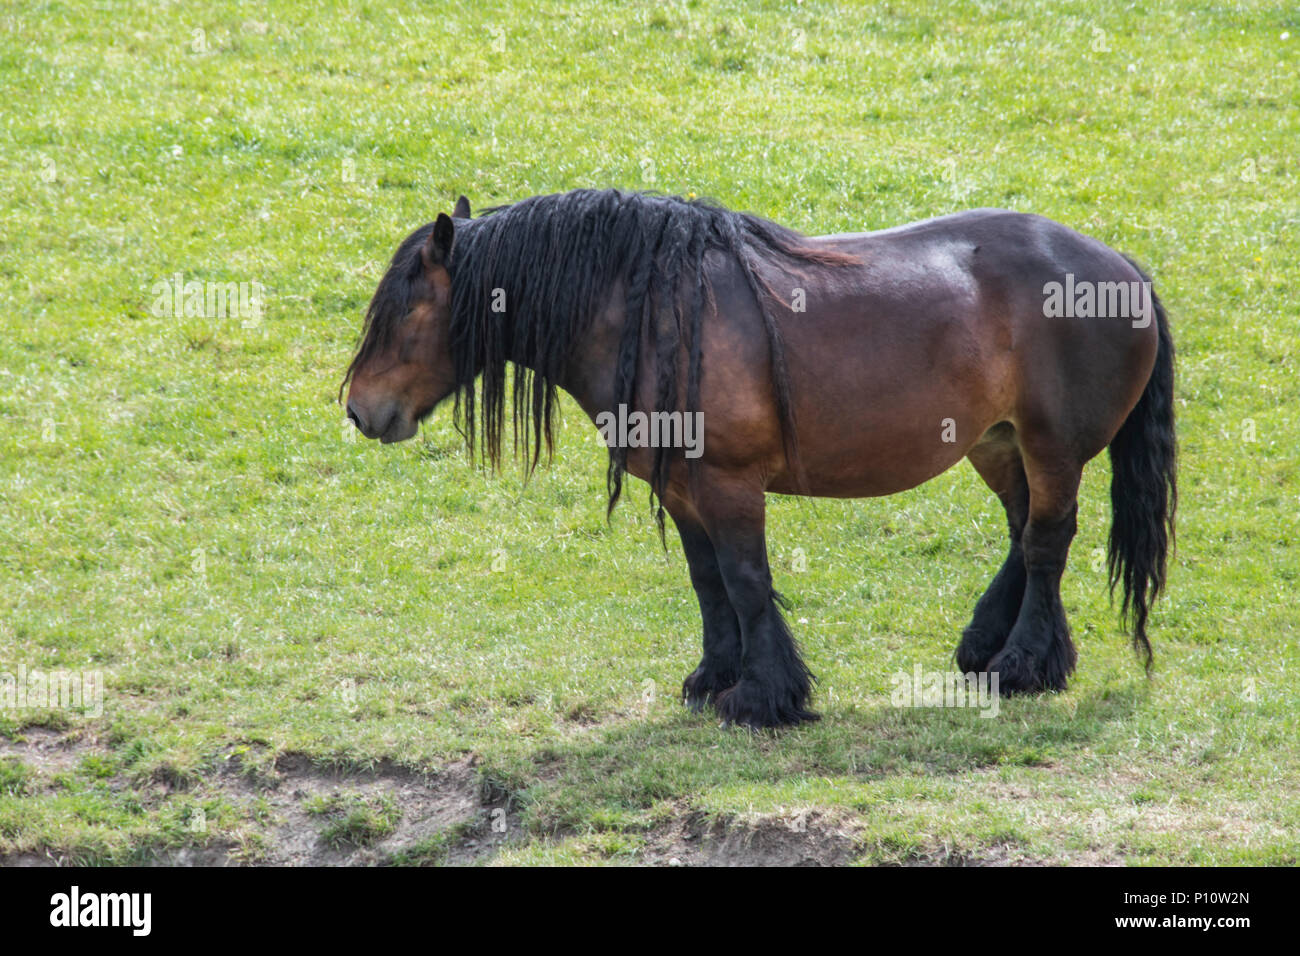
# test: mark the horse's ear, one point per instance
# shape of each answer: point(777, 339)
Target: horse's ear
point(437, 248)
point(462, 209)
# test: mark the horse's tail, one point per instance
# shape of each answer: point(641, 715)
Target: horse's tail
point(1144, 489)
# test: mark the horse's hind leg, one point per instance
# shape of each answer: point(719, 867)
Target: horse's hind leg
point(1039, 654)
point(774, 686)
point(720, 666)
point(997, 460)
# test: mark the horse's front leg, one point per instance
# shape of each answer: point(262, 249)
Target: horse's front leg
point(775, 685)
point(720, 667)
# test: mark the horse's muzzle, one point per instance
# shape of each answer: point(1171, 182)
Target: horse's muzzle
point(357, 418)
point(388, 424)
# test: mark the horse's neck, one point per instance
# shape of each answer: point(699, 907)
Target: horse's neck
point(589, 374)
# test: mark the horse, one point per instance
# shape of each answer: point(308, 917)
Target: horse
point(842, 366)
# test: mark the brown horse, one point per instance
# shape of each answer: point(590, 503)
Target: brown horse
point(839, 366)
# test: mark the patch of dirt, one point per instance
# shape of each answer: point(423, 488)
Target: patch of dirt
point(795, 839)
point(448, 816)
point(301, 809)
point(49, 751)
point(452, 802)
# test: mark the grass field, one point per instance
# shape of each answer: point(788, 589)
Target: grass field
point(315, 649)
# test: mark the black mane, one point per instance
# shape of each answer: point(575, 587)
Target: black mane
point(554, 258)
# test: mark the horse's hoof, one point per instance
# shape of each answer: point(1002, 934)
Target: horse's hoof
point(748, 704)
point(977, 647)
point(703, 686)
point(1018, 673)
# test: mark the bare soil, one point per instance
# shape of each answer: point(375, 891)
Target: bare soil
point(449, 816)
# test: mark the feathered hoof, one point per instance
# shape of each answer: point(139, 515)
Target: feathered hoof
point(976, 649)
point(703, 686)
point(1019, 672)
point(757, 706)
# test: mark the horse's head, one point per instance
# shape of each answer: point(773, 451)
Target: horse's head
point(404, 366)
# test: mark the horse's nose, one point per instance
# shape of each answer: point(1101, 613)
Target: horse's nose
point(355, 418)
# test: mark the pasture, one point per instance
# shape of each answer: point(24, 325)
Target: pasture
point(315, 649)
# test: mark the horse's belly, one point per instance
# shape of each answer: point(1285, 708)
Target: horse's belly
point(892, 421)
point(873, 467)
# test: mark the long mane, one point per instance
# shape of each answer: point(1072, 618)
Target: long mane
point(528, 277)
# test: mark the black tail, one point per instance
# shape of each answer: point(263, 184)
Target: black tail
point(1144, 490)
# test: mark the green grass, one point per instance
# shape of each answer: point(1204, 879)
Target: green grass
point(14, 777)
point(181, 508)
point(353, 819)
